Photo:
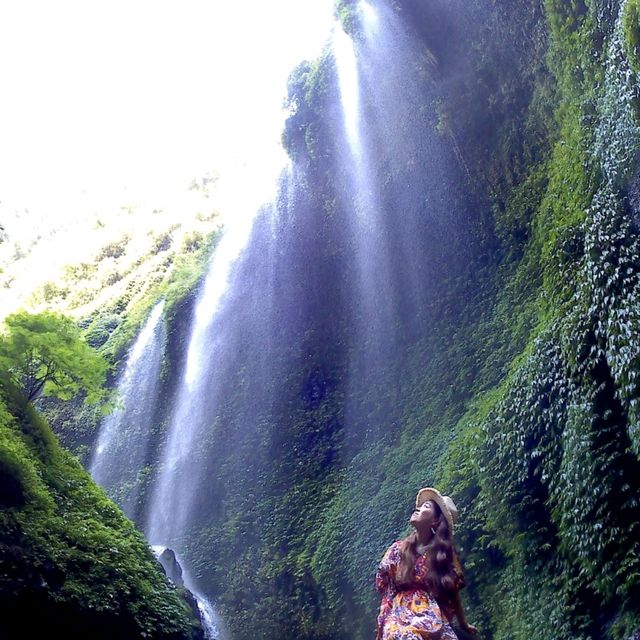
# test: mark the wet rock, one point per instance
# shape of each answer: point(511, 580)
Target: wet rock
point(171, 566)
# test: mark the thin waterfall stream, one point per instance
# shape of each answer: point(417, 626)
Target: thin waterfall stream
point(173, 491)
point(124, 437)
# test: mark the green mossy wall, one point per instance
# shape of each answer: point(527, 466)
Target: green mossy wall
point(71, 564)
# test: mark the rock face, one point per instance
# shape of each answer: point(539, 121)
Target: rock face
point(171, 566)
point(192, 601)
point(169, 562)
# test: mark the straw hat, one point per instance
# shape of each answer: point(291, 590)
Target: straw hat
point(446, 504)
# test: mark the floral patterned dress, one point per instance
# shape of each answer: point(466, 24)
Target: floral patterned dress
point(409, 613)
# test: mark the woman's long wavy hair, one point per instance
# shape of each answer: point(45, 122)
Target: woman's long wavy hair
point(443, 565)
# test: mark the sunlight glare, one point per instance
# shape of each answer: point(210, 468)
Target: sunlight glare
point(122, 105)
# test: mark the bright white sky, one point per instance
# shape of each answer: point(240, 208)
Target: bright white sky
point(120, 101)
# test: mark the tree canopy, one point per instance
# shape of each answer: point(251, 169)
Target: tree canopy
point(45, 354)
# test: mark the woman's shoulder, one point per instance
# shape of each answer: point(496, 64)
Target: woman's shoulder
point(393, 551)
point(397, 545)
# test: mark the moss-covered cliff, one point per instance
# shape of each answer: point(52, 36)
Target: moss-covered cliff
point(70, 563)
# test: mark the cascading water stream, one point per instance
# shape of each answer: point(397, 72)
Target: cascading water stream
point(371, 250)
point(184, 483)
point(404, 195)
point(347, 67)
point(174, 488)
point(213, 343)
point(398, 133)
point(376, 338)
point(124, 439)
point(209, 358)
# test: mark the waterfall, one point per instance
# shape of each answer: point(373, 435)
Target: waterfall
point(277, 323)
point(120, 455)
point(376, 293)
point(174, 487)
point(367, 116)
point(212, 353)
point(401, 229)
point(349, 83)
point(215, 342)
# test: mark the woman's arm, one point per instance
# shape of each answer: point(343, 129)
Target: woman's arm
point(459, 612)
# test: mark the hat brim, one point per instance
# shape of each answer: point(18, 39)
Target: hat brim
point(429, 493)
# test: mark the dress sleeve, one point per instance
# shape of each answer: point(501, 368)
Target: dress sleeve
point(386, 573)
point(386, 585)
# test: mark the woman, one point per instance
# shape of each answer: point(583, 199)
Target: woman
point(420, 577)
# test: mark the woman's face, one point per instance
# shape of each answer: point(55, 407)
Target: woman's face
point(425, 516)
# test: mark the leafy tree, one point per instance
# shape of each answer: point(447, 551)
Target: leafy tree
point(45, 354)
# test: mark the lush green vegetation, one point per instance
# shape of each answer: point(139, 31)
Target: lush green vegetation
point(632, 33)
point(112, 328)
point(545, 467)
point(44, 354)
point(103, 255)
